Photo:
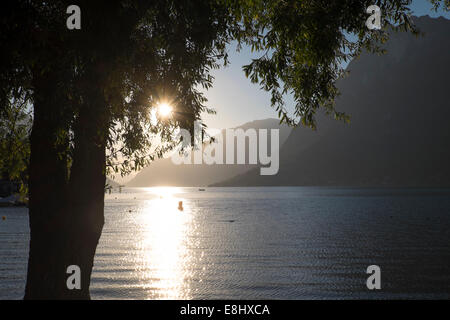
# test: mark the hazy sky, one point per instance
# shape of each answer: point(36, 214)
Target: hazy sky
point(237, 100)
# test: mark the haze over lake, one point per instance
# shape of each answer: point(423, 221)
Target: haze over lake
point(258, 243)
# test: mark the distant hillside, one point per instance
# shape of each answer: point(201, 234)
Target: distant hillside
point(112, 183)
point(163, 172)
point(400, 127)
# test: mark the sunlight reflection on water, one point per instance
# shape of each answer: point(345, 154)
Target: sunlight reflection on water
point(163, 243)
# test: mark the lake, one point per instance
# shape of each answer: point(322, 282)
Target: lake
point(258, 243)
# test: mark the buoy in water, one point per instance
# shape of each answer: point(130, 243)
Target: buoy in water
point(180, 205)
point(4, 218)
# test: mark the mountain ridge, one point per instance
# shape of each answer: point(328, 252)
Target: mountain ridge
point(163, 172)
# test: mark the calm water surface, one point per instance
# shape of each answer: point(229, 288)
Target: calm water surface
point(258, 243)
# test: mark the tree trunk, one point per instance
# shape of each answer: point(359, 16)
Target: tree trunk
point(66, 216)
point(47, 187)
point(87, 187)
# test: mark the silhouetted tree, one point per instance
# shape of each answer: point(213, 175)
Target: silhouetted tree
point(93, 90)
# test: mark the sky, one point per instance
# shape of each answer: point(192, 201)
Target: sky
point(238, 101)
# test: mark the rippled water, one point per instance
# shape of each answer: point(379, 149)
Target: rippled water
point(258, 243)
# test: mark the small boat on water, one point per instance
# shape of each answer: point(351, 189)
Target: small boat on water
point(201, 189)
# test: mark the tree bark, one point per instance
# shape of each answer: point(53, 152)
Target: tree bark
point(87, 186)
point(47, 191)
point(66, 215)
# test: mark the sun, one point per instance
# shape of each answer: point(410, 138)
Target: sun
point(164, 109)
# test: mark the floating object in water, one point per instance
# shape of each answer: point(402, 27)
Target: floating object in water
point(180, 205)
point(201, 189)
point(4, 218)
point(129, 210)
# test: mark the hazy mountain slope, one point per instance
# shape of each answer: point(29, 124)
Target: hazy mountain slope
point(163, 172)
point(400, 129)
point(112, 183)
